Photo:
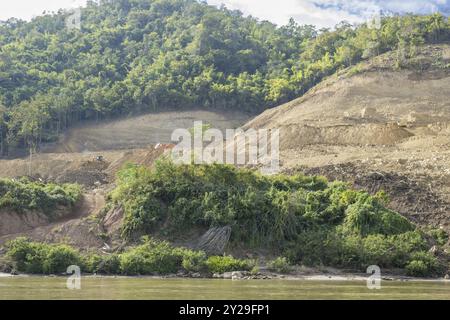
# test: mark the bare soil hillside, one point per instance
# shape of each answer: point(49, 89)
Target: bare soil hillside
point(140, 131)
point(380, 127)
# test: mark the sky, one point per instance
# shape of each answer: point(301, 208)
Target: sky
point(322, 13)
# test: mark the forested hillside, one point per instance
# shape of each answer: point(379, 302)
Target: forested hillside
point(142, 55)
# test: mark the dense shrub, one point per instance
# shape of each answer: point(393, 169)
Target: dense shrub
point(20, 195)
point(315, 247)
point(367, 216)
point(260, 209)
point(417, 268)
point(159, 257)
point(194, 261)
point(337, 248)
point(307, 219)
point(219, 264)
point(32, 257)
point(102, 264)
point(423, 264)
point(150, 258)
point(59, 257)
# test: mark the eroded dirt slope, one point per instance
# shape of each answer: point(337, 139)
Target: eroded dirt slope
point(140, 131)
point(379, 127)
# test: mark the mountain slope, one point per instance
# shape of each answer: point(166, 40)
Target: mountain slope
point(131, 56)
point(379, 126)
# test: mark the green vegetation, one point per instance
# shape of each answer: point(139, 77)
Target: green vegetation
point(23, 194)
point(217, 264)
point(261, 210)
point(423, 264)
point(142, 55)
point(306, 219)
point(280, 265)
point(150, 258)
point(40, 258)
point(439, 236)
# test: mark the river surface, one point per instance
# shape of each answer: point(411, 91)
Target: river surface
point(43, 288)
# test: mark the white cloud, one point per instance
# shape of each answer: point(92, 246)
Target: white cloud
point(280, 11)
point(323, 13)
point(26, 9)
point(327, 13)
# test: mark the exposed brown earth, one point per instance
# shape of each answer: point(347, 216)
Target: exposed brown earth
point(79, 227)
point(378, 127)
point(138, 132)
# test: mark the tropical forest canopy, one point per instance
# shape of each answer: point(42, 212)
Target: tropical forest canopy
point(142, 55)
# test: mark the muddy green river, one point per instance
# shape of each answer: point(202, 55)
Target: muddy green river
point(32, 288)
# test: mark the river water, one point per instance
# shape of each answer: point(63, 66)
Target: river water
point(32, 288)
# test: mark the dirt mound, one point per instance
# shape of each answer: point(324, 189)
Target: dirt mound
point(297, 136)
point(79, 227)
point(88, 174)
point(82, 168)
point(75, 227)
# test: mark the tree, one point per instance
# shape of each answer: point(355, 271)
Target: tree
point(2, 129)
point(436, 26)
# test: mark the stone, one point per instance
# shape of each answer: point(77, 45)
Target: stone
point(236, 275)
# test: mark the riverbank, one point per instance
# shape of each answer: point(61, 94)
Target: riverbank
point(240, 275)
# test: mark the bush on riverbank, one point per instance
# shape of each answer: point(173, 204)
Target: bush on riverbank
point(336, 248)
point(160, 258)
point(40, 258)
point(150, 258)
point(23, 194)
point(307, 219)
point(423, 264)
point(218, 264)
point(262, 210)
